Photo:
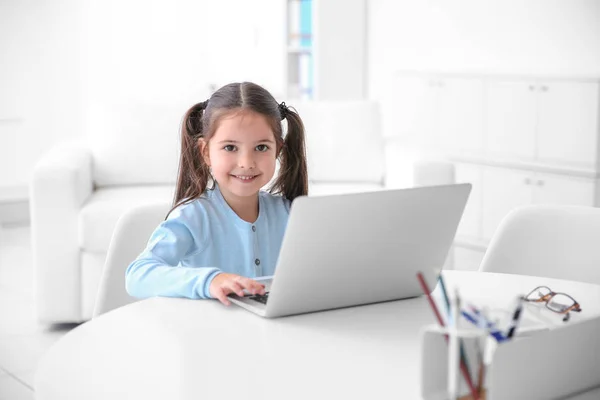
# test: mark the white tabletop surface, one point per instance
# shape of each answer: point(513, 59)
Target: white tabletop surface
point(200, 349)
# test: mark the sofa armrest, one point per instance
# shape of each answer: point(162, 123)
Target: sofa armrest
point(61, 183)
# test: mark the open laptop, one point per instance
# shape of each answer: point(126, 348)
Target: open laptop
point(354, 249)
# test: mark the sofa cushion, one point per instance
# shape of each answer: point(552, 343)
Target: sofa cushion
point(135, 144)
point(99, 215)
point(343, 140)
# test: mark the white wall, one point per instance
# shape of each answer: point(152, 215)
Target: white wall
point(532, 36)
point(40, 81)
point(62, 59)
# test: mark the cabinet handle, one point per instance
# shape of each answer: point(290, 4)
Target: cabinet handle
point(527, 181)
point(531, 88)
point(544, 88)
point(540, 182)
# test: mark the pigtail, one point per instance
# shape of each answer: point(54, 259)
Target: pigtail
point(292, 180)
point(193, 173)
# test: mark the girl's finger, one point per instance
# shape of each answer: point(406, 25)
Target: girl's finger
point(236, 288)
point(251, 285)
point(221, 296)
point(259, 288)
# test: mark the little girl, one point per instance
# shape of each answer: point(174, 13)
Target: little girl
point(215, 239)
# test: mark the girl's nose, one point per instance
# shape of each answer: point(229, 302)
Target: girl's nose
point(246, 161)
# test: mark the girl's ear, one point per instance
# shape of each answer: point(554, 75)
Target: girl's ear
point(203, 147)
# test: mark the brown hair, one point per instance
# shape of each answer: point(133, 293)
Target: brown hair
point(201, 122)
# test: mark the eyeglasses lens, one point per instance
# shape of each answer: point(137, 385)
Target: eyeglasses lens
point(538, 293)
point(560, 303)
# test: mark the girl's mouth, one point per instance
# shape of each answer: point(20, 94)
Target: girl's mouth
point(245, 178)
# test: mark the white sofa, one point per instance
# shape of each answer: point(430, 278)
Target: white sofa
point(129, 157)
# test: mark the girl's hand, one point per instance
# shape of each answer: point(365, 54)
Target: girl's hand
point(224, 284)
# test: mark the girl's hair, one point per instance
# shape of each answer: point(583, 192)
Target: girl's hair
point(201, 122)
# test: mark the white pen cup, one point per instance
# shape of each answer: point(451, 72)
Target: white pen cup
point(441, 374)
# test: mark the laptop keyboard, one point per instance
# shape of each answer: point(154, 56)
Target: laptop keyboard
point(260, 298)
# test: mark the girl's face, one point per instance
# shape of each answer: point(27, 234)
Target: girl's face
point(242, 153)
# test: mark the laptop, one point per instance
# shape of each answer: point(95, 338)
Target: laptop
point(354, 249)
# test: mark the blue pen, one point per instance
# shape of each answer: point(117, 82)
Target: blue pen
point(515, 319)
point(494, 331)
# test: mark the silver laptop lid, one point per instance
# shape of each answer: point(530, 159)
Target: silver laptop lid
point(352, 249)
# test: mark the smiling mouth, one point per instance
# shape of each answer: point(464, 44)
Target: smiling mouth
point(245, 178)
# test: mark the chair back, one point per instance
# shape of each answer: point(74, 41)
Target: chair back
point(129, 239)
point(547, 240)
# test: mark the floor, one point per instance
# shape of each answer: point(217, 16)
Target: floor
point(22, 340)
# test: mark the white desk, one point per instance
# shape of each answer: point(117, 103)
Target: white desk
point(184, 349)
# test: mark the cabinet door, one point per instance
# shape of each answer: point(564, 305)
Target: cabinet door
point(557, 189)
point(503, 190)
point(510, 119)
point(460, 127)
point(470, 223)
point(568, 123)
point(410, 110)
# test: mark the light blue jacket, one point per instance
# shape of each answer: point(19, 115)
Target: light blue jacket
point(203, 238)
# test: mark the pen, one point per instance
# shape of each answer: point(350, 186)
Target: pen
point(441, 322)
point(463, 355)
point(515, 319)
point(481, 366)
point(493, 330)
point(484, 322)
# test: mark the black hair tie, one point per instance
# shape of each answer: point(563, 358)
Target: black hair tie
point(283, 110)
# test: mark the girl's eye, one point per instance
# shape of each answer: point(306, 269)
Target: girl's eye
point(262, 147)
point(229, 147)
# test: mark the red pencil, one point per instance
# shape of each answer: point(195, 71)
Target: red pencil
point(463, 368)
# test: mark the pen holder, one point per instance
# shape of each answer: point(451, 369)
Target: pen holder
point(439, 366)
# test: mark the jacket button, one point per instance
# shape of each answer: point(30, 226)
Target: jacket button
point(253, 228)
point(257, 261)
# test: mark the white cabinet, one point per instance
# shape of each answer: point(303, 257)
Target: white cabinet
point(510, 120)
point(460, 111)
point(562, 189)
point(505, 189)
point(470, 223)
point(518, 140)
point(431, 111)
point(546, 122)
point(567, 129)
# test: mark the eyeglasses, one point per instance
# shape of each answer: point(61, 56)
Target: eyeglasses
point(560, 303)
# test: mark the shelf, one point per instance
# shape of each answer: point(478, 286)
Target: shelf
point(299, 50)
point(495, 161)
point(526, 166)
point(14, 194)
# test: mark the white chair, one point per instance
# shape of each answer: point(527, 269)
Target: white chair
point(129, 239)
point(547, 240)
